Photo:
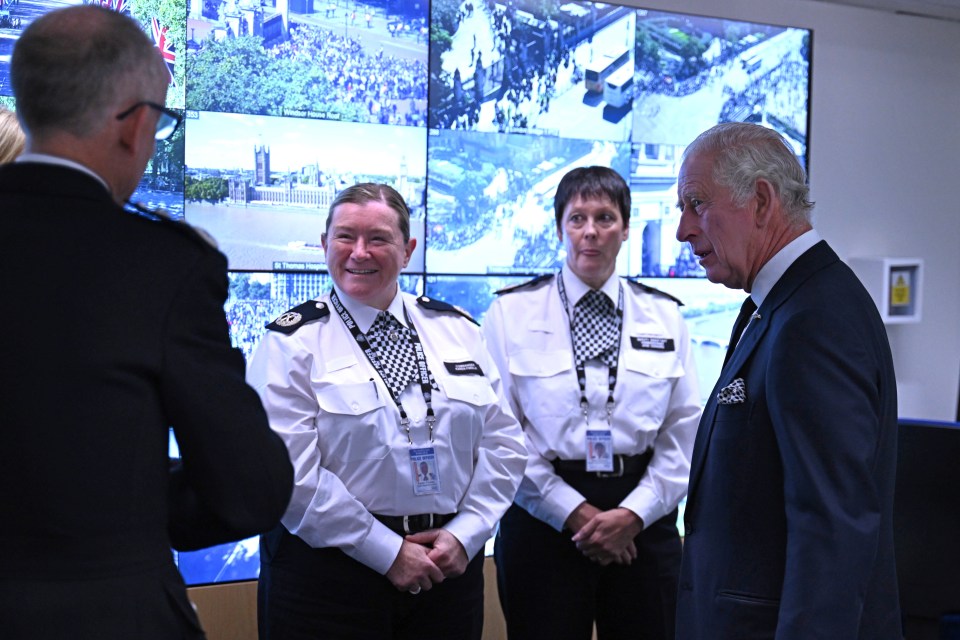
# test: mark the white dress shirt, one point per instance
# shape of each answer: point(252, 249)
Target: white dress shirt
point(657, 398)
point(350, 455)
point(773, 270)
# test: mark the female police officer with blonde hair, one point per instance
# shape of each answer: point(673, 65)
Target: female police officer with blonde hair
point(366, 385)
point(12, 138)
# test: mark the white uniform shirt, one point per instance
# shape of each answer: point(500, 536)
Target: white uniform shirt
point(657, 398)
point(350, 455)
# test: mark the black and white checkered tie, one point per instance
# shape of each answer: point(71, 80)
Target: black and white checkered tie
point(595, 328)
point(391, 340)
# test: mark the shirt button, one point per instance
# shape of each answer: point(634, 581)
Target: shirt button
point(355, 407)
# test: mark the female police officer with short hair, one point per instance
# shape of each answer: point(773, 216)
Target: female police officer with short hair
point(600, 374)
point(368, 386)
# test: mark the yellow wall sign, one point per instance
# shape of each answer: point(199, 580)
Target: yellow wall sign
point(900, 288)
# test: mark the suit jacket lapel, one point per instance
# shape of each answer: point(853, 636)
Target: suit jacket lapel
point(816, 258)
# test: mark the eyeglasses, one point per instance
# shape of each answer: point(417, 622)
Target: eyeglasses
point(167, 123)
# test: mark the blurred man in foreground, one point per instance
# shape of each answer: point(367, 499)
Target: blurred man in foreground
point(113, 330)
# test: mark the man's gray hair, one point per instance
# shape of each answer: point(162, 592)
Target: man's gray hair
point(744, 153)
point(71, 68)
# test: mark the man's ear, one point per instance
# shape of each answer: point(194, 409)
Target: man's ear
point(131, 129)
point(766, 200)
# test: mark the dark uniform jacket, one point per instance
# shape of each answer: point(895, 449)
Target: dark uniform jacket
point(112, 330)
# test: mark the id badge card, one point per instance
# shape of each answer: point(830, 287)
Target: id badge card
point(599, 450)
point(423, 464)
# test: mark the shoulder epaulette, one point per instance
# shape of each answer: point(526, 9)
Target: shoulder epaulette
point(648, 289)
point(298, 316)
point(440, 305)
point(526, 285)
point(163, 216)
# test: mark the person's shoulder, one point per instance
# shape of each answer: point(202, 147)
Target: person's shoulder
point(645, 289)
point(529, 285)
point(439, 306)
point(302, 314)
point(176, 227)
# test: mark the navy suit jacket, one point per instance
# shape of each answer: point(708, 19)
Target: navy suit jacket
point(112, 331)
point(789, 516)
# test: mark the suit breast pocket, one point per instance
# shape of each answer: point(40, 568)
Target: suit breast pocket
point(732, 421)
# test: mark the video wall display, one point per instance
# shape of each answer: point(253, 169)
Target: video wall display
point(280, 176)
point(472, 109)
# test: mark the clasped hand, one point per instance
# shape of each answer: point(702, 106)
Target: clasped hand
point(605, 537)
point(426, 559)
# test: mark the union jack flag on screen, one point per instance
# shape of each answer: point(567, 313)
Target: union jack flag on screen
point(120, 6)
point(165, 46)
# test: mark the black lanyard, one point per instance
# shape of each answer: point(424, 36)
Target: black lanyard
point(581, 370)
point(368, 350)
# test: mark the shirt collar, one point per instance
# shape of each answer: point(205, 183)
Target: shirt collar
point(577, 288)
point(43, 158)
point(364, 315)
point(771, 272)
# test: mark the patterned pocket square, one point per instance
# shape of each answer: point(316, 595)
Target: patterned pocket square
point(733, 393)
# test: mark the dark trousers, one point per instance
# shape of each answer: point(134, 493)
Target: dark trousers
point(548, 589)
point(323, 594)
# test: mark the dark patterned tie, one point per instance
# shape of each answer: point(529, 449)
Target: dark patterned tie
point(743, 319)
point(594, 328)
point(391, 340)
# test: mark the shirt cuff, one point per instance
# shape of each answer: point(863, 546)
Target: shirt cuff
point(645, 503)
point(378, 550)
point(469, 529)
point(555, 508)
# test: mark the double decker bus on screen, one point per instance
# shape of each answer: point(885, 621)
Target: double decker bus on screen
point(599, 69)
point(618, 88)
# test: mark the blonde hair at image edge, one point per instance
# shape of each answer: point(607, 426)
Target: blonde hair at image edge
point(11, 136)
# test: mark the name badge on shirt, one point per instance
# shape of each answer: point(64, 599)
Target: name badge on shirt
point(599, 450)
point(426, 475)
point(652, 343)
point(467, 368)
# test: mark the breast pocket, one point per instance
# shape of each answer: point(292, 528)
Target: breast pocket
point(650, 375)
point(544, 382)
point(350, 425)
point(468, 397)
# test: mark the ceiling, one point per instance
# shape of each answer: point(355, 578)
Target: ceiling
point(939, 9)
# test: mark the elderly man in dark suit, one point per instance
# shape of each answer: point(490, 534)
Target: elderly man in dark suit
point(789, 516)
point(112, 330)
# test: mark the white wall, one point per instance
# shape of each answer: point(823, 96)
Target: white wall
point(884, 163)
